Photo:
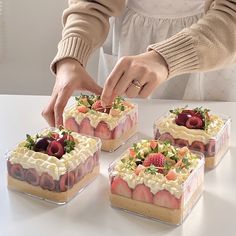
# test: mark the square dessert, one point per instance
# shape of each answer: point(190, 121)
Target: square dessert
point(197, 129)
point(113, 125)
point(157, 180)
point(54, 165)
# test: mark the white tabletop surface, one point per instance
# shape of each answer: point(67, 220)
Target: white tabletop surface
point(90, 212)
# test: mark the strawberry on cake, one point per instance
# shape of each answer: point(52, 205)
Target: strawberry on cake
point(113, 125)
point(53, 165)
point(197, 129)
point(157, 180)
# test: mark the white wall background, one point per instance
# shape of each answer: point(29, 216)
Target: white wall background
point(29, 33)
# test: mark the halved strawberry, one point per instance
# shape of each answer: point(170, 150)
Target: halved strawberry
point(181, 142)
point(71, 124)
point(164, 198)
point(211, 148)
point(198, 146)
point(194, 122)
point(97, 105)
point(89, 164)
point(67, 181)
point(102, 131)
point(128, 123)
point(114, 112)
point(82, 109)
point(79, 172)
point(171, 175)
point(86, 128)
point(117, 131)
point(96, 158)
point(167, 137)
point(120, 187)
point(132, 153)
point(153, 144)
point(32, 177)
point(17, 171)
point(54, 135)
point(142, 193)
point(156, 159)
point(47, 182)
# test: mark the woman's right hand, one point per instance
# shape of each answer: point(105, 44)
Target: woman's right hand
point(71, 76)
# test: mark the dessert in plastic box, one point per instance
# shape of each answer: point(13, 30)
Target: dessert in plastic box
point(113, 125)
point(54, 164)
point(197, 129)
point(157, 180)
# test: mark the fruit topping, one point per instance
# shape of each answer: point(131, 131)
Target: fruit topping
point(171, 175)
point(120, 187)
point(156, 159)
point(142, 193)
point(55, 149)
point(41, 144)
point(139, 168)
point(82, 109)
point(194, 122)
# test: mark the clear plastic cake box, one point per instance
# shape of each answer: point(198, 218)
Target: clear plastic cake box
point(214, 149)
point(34, 179)
point(125, 128)
point(192, 191)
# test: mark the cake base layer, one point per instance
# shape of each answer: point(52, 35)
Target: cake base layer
point(112, 144)
point(57, 197)
point(172, 216)
point(212, 162)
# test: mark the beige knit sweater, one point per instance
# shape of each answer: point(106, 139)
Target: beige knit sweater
point(207, 45)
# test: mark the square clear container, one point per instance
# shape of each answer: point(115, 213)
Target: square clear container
point(191, 189)
point(214, 149)
point(49, 178)
point(112, 138)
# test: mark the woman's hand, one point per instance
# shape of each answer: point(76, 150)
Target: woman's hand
point(135, 76)
point(71, 76)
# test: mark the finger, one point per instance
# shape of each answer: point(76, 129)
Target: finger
point(93, 87)
point(147, 89)
point(62, 99)
point(113, 78)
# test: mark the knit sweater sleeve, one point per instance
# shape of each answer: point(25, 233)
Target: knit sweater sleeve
point(85, 28)
point(207, 45)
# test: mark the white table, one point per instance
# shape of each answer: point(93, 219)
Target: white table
point(90, 213)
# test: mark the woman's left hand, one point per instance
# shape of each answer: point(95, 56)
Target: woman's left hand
point(135, 76)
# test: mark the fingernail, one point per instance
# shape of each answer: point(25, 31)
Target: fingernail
point(103, 104)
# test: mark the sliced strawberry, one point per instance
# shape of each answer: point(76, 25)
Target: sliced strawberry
point(181, 142)
point(120, 187)
point(128, 123)
point(68, 137)
point(97, 105)
point(117, 131)
point(138, 169)
point(171, 175)
point(96, 158)
point(71, 124)
point(142, 193)
point(194, 122)
point(67, 181)
point(86, 128)
point(89, 164)
point(153, 144)
point(79, 172)
point(32, 177)
point(164, 198)
point(211, 148)
point(47, 182)
point(82, 109)
point(198, 146)
point(54, 135)
point(156, 159)
point(183, 151)
point(132, 153)
point(17, 171)
point(55, 149)
point(114, 112)
point(167, 137)
point(102, 131)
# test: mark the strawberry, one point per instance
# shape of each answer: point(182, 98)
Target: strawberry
point(96, 158)
point(156, 159)
point(97, 105)
point(82, 109)
point(114, 112)
point(132, 153)
point(138, 169)
point(127, 104)
point(167, 137)
point(47, 182)
point(102, 131)
point(120, 187)
point(89, 164)
point(17, 171)
point(55, 149)
point(67, 181)
point(164, 198)
point(142, 193)
point(54, 135)
point(198, 146)
point(117, 131)
point(71, 124)
point(153, 144)
point(128, 124)
point(171, 175)
point(181, 142)
point(32, 177)
point(194, 122)
point(183, 151)
point(210, 148)
point(79, 172)
point(86, 128)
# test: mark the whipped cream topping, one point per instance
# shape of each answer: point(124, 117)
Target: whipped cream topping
point(95, 117)
point(157, 181)
point(85, 147)
point(167, 124)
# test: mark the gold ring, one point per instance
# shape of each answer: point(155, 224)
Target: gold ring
point(136, 84)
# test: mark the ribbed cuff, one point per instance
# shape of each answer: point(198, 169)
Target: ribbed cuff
point(179, 53)
point(72, 47)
